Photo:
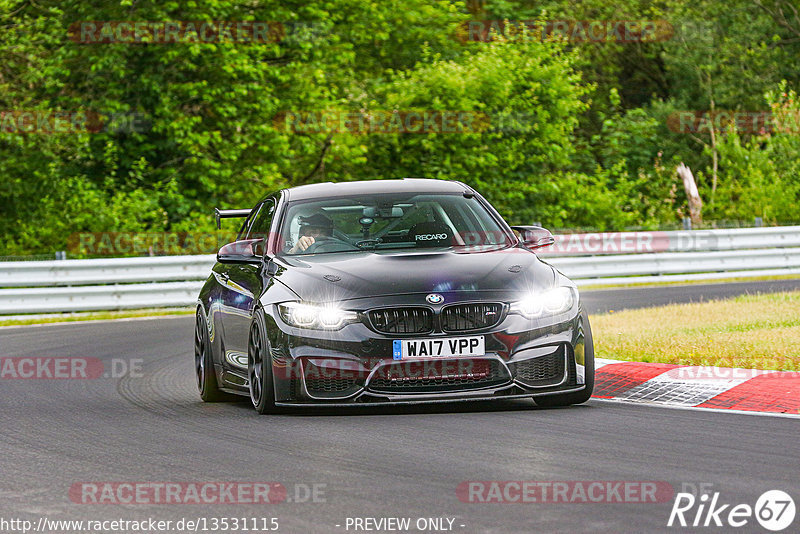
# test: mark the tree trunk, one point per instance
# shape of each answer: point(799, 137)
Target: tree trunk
point(714, 153)
point(689, 185)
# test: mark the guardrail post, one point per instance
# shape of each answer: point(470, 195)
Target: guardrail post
point(759, 222)
point(687, 223)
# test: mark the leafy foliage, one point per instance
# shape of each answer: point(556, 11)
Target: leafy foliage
point(575, 133)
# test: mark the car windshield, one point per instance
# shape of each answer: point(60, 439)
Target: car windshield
point(396, 221)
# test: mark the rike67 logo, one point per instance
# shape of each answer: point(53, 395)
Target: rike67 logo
point(774, 510)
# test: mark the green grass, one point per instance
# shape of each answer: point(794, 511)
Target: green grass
point(95, 316)
point(751, 331)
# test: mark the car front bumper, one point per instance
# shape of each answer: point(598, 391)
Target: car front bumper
point(354, 365)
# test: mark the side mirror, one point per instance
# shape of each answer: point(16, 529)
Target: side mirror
point(245, 251)
point(535, 236)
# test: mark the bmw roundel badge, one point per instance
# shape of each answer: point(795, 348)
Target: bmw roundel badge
point(435, 298)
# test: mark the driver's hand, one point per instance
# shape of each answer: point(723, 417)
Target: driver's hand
point(302, 244)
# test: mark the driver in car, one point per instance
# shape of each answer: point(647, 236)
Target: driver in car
point(312, 227)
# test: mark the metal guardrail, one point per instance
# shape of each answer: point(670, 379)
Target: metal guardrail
point(104, 271)
point(724, 261)
point(93, 298)
point(589, 259)
point(675, 241)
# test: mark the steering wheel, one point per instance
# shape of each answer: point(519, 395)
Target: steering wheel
point(329, 244)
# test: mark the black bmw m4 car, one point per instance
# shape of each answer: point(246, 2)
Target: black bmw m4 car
point(388, 291)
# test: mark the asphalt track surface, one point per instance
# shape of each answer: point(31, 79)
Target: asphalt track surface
point(603, 300)
point(388, 462)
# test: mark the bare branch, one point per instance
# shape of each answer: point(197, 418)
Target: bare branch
point(326, 145)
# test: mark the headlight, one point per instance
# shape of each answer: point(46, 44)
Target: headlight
point(552, 302)
point(304, 315)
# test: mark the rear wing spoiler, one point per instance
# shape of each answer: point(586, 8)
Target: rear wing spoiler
point(228, 214)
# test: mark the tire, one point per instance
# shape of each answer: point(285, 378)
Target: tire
point(259, 366)
point(578, 397)
point(203, 364)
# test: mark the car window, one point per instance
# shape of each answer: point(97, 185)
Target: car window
point(243, 229)
point(397, 221)
point(262, 221)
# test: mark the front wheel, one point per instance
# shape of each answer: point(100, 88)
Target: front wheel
point(203, 365)
point(259, 366)
point(565, 399)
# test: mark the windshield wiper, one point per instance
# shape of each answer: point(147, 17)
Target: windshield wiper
point(365, 243)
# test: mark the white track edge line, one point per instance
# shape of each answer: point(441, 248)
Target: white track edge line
point(99, 321)
point(716, 410)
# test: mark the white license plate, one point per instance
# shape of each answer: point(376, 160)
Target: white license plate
point(438, 348)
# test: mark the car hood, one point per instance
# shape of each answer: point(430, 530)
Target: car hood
point(353, 275)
